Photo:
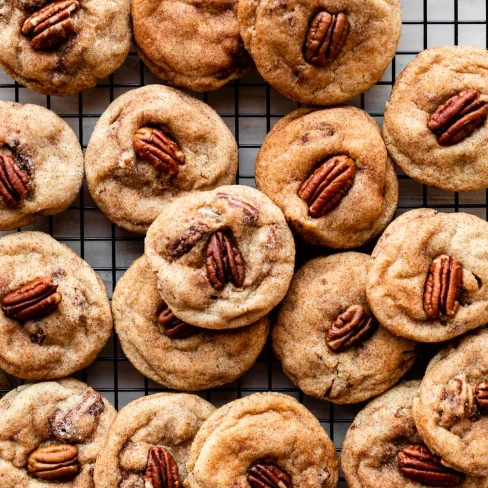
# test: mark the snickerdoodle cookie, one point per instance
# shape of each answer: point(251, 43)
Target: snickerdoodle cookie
point(153, 144)
point(428, 275)
point(191, 43)
point(321, 52)
point(63, 47)
point(261, 437)
point(329, 172)
point(435, 121)
point(451, 409)
point(383, 448)
point(328, 341)
point(55, 315)
point(41, 164)
point(151, 438)
point(224, 258)
point(172, 352)
point(51, 434)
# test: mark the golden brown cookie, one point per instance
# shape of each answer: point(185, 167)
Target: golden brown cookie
point(41, 164)
point(172, 352)
point(260, 434)
point(195, 44)
point(435, 121)
point(55, 315)
point(427, 277)
point(328, 341)
point(383, 448)
point(450, 411)
point(63, 47)
point(329, 172)
point(51, 434)
point(224, 258)
point(152, 144)
point(149, 436)
point(321, 52)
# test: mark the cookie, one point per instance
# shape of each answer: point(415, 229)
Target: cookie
point(435, 121)
point(427, 275)
point(383, 448)
point(224, 258)
point(450, 411)
point(152, 144)
point(174, 353)
point(329, 172)
point(328, 342)
point(321, 52)
point(41, 164)
point(55, 315)
point(264, 434)
point(150, 436)
point(51, 434)
point(63, 47)
point(193, 44)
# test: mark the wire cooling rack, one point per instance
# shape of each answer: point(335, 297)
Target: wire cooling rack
point(250, 108)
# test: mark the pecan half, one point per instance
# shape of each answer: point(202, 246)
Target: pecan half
point(54, 462)
point(326, 38)
point(418, 464)
point(459, 117)
point(443, 287)
point(184, 244)
point(251, 213)
point(14, 183)
point(51, 25)
point(161, 470)
point(350, 328)
point(174, 328)
point(458, 402)
point(224, 261)
point(263, 475)
point(33, 300)
point(155, 147)
point(481, 395)
point(328, 185)
point(74, 422)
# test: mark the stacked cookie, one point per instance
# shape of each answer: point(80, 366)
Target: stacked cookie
point(215, 264)
point(428, 433)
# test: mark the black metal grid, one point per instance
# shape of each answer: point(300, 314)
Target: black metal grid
point(110, 250)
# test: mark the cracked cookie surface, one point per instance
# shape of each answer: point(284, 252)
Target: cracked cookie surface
point(180, 248)
point(128, 189)
point(298, 143)
point(97, 47)
point(401, 263)
point(376, 437)
point(267, 427)
point(65, 412)
point(47, 151)
point(191, 43)
point(70, 337)
point(320, 291)
point(447, 413)
point(168, 420)
point(203, 360)
point(432, 78)
point(274, 32)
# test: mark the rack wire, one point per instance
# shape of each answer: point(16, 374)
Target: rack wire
point(249, 107)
